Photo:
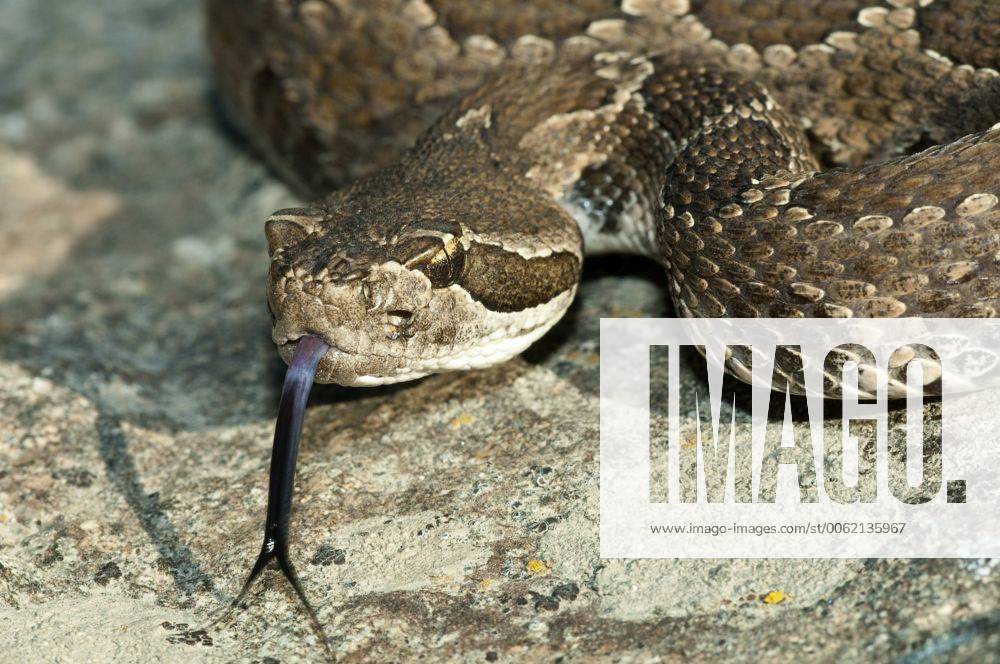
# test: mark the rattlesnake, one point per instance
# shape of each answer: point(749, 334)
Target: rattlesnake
point(780, 158)
point(770, 153)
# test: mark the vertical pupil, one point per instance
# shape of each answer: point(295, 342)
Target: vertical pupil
point(438, 260)
point(438, 269)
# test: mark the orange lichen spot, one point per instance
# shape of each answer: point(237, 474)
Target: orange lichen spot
point(462, 420)
point(774, 597)
point(485, 584)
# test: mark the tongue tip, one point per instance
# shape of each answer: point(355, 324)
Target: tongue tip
point(279, 555)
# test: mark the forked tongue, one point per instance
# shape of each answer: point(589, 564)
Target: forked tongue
point(294, 394)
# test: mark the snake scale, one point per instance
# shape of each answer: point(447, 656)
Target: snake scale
point(780, 158)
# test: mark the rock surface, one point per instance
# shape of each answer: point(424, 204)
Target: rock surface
point(454, 519)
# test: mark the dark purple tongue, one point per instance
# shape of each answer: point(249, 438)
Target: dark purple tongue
point(294, 394)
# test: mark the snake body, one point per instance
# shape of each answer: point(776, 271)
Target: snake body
point(780, 158)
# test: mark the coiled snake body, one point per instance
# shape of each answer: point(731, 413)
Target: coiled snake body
point(780, 158)
point(770, 153)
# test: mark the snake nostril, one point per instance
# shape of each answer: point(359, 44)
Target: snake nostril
point(397, 324)
point(398, 317)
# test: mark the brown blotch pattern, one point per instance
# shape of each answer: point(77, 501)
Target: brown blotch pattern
point(505, 281)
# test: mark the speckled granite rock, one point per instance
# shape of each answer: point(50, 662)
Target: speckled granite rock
point(451, 519)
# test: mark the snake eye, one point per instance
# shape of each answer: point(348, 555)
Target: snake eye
point(440, 259)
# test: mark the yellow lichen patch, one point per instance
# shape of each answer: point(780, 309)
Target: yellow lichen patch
point(536, 566)
point(774, 597)
point(485, 584)
point(689, 440)
point(462, 420)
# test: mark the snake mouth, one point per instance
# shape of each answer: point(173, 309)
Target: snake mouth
point(352, 369)
point(335, 366)
point(287, 347)
point(334, 352)
point(326, 364)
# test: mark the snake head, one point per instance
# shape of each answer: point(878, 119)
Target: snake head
point(399, 294)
